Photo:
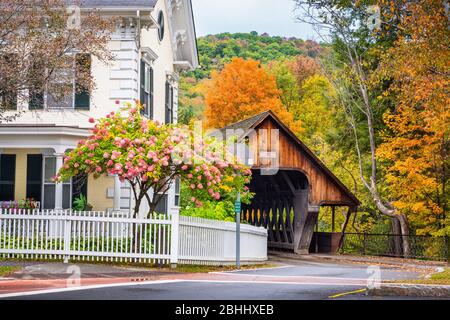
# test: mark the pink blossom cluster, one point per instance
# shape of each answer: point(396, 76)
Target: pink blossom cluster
point(147, 153)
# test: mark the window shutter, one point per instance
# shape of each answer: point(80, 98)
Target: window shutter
point(36, 84)
point(142, 87)
point(169, 103)
point(7, 176)
point(36, 100)
point(34, 176)
point(82, 96)
point(8, 93)
point(151, 94)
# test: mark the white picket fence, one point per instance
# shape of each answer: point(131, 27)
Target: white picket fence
point(213, 242)
point(115, 236)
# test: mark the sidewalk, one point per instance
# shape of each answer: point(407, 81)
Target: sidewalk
point(409, 264)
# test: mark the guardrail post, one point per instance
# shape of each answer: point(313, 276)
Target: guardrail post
point(67, 236)
point(174, 234)
point(447, 239)
point(364, 243)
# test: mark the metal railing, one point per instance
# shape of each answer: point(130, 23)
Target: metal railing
point(390, 245)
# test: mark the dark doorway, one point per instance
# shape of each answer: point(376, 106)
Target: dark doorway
point(279, 201)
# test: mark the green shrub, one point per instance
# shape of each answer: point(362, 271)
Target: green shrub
point(223, 211)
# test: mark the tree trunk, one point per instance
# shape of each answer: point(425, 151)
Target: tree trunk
point(397, 241)
point(404, 226)
point(135, 229)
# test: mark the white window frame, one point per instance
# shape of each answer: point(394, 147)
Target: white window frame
point(45, 183)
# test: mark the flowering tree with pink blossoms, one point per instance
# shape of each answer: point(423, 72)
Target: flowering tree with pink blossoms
point(150, 156)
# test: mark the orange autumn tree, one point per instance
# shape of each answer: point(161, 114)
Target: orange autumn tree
point(241, 90)
point(416, 144)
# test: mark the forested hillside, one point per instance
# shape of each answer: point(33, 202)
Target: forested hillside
point(216, 50)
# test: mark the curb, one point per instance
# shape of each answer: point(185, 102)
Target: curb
point(367, 260)
point(411, 290)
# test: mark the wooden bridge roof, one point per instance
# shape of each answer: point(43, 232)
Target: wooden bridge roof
point(325, 187)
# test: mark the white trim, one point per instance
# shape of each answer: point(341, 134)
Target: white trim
point(58, 139)
point(44, 130)
point(148, 55)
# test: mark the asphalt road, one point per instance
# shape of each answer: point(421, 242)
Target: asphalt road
point(299, 281)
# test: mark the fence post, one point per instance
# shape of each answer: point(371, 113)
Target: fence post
point(447, 239)
point(364, 243)
point(174, 234)
point(67, 236)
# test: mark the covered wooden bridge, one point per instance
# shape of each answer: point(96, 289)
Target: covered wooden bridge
point(290, 182)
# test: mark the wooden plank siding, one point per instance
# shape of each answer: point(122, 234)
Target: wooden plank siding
point(325, 188)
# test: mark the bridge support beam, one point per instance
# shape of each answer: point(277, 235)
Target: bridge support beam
point(306, 231)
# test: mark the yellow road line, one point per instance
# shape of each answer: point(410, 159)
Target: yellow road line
point(346, 293)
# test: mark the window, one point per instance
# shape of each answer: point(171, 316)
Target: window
point(7, 176)
point(66, 90)
point(34, 176)
point(177, 192)
point(60, 89)
point(147, 89)
point(162, 206)
point(169, 103)
point(161, 26)
point(49, 187)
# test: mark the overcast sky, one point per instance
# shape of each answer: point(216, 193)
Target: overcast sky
point(275, 17)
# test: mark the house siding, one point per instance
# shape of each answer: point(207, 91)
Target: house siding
point(20, 184)
point(116, 80)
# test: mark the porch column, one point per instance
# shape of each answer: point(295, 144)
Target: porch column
point(117, 193)
point(59, 186)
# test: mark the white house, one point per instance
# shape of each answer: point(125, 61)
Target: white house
point(153, 42)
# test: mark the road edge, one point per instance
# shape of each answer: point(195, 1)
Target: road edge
point(411, 290)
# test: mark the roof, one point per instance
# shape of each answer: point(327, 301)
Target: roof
point(118, 3)
point(247, 124)
point(252, 123)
